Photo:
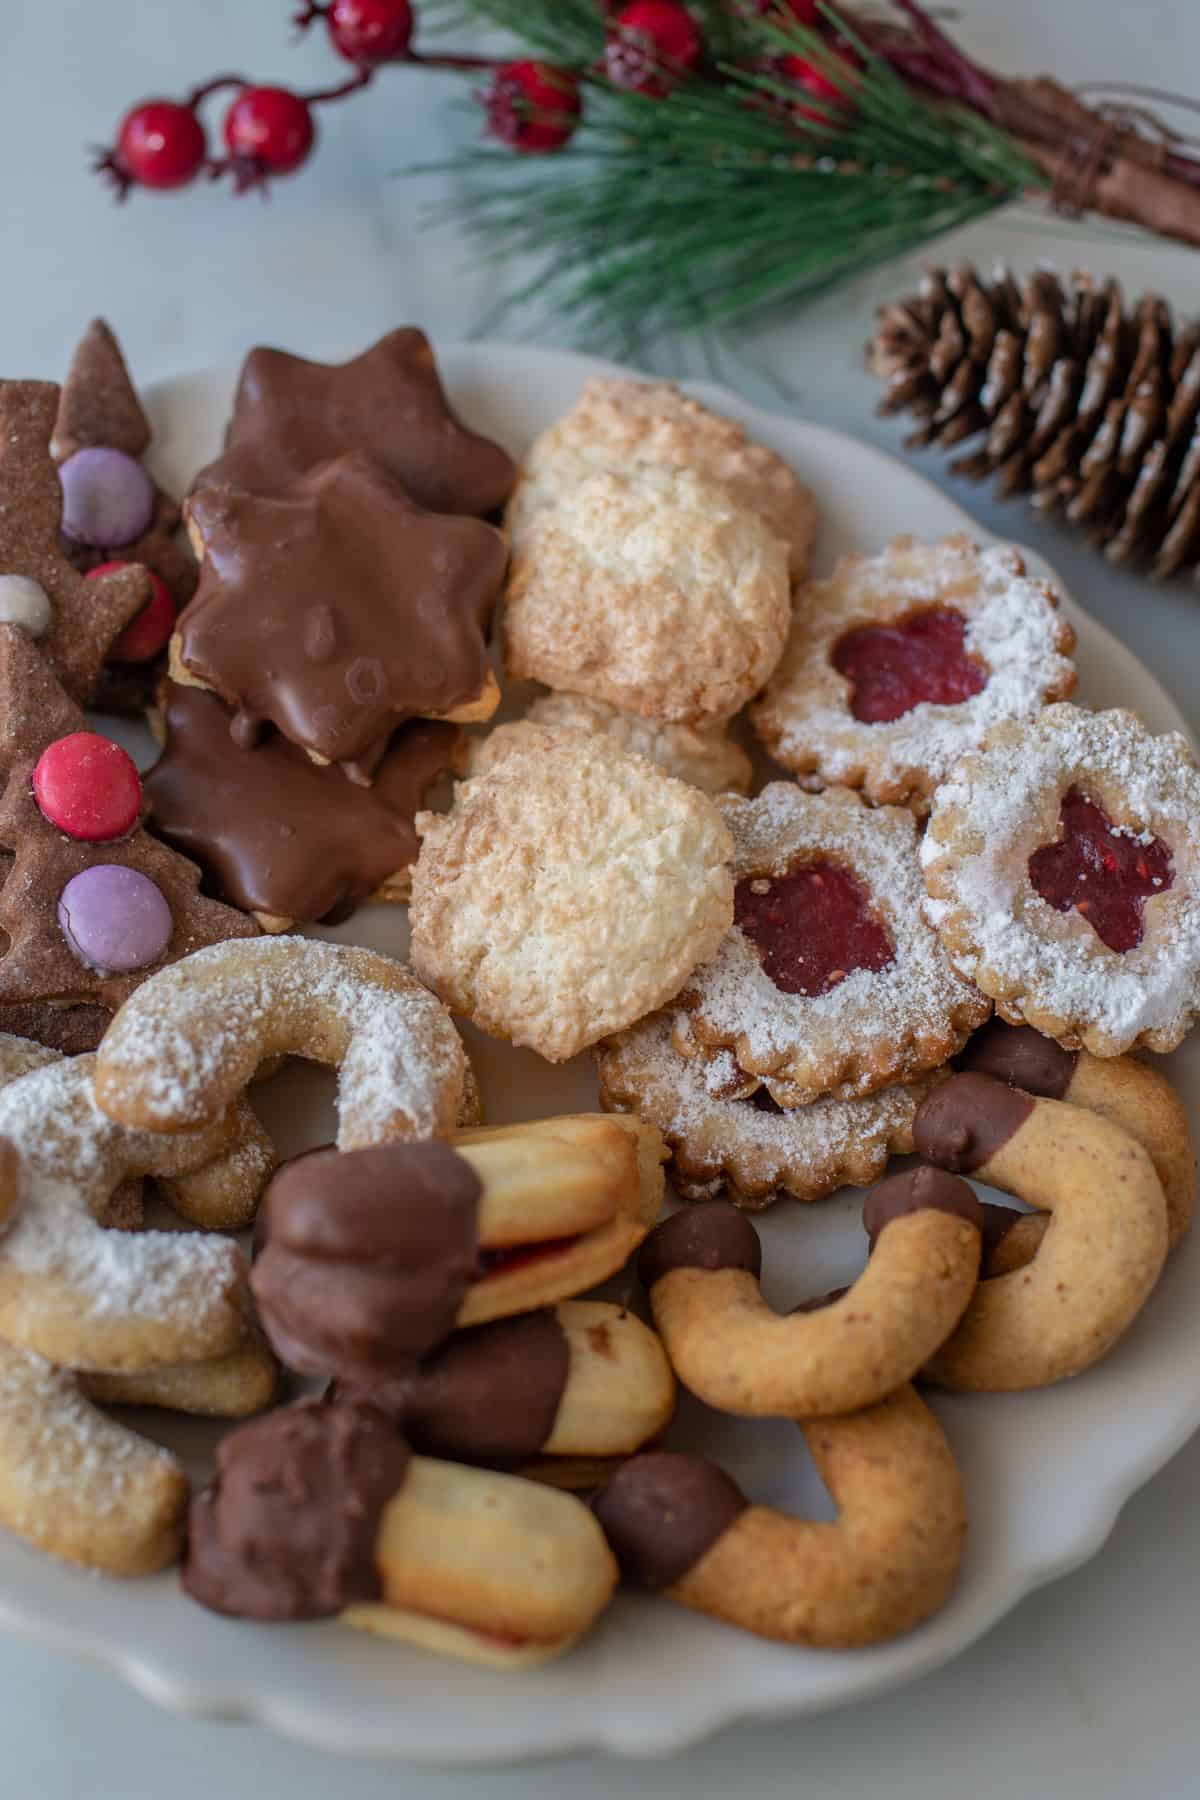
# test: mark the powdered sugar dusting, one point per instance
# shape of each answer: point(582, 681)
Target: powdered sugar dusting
point(1001, 805)
point(875, 1025)
point(1012, 625)
point(808, 1151)
point(190, 1038)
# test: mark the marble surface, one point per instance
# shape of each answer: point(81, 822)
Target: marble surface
point(1089, 1687)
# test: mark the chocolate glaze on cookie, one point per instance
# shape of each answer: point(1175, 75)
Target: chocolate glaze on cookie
point(339, 609)
point(287, 1529)
point(714, 1235)
point(276, 832)
point(966, 1120)
point(662, 1511)
point(1022, 1057)
point(290, 413)
point(919, 1190)
point(367, 1256)
point(489, 1395)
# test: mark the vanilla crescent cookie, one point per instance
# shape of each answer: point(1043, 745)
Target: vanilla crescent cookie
point(617, 423)
point(829, 981)
point(751, 1146)
point(650, 589)
point(1062, 863)
point(703, 755)
point(179, 1051)
point(899, 663)
point(568, 892)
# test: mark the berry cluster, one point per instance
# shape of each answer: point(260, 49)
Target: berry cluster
point(651, 46)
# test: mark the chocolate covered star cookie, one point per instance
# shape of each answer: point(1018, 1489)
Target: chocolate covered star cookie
point(338, 610)
point(276, 833)
point(290, 414)
point(75, 621)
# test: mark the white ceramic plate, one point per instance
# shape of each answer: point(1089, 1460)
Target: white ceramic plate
point(1046, 1472)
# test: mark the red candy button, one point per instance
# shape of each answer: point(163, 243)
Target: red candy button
point(813, 927)
point(1105, 874)
point(151, 630)
point(892, 668)
point(87, 787)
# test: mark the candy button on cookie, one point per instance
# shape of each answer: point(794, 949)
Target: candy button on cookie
point(1101, 1255)
point(680, 1525)
point(114, 918)
point(88, 787)
point(24, 602)
point(464, 1561)
point(150, 632)
point(701, 1269)
point(107, 498)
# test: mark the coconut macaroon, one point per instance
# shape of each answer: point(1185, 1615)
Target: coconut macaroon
point(570, 891)
point(652, 590)
point(617, 423)
point(703, 755)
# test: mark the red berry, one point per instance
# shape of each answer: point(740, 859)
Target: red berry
point(652, 45)
point(86, 786)
point(814, 81)
point(269, 130)
point(151, 630)
point(161, 144)
point(370, 31)
point(533, 106)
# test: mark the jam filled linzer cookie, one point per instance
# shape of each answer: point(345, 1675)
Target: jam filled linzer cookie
point(278, 834)
point(568, 892)
point(705, 755)
point(91, 904)
point(701, 1270)
point(1099, 1259)
point(1062, 862)
point(290, 414)
point(338, 609)
point(682, 1527)
point(114, 514)
point(652, 590)
point(751, 1146)
point(899, 663)
point(464, 1561)
point(75, 621)
point(616, 424)
point(370, 1259)
point(829, 981)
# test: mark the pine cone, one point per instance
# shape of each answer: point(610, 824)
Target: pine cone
point(1089, 406)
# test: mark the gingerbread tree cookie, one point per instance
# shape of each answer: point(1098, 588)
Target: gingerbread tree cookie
point(76, 620)
point(91, 904)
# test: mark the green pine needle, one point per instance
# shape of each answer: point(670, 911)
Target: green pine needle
point(689, 211)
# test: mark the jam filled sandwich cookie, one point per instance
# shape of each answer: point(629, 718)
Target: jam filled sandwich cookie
point(75, 621)
point(568, 892)
point(472, 1563)
point(1062, 862)
point(829, 980)
point(899, 663)
point(652, 590)
point(704, 755)
point(1101, 1254)
point(369, 1259)
point(682, 1527)
point(91, 903)
point(114, 514)
point(279, 835)
point(701, 1270)
point(373, 611)
point(616, 425)
point(290, 414)
point(750, 1146)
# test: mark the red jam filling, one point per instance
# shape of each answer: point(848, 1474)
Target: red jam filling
point(518, 1256)
point(892, 668)
point(812, 927)
point(1102, 872)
